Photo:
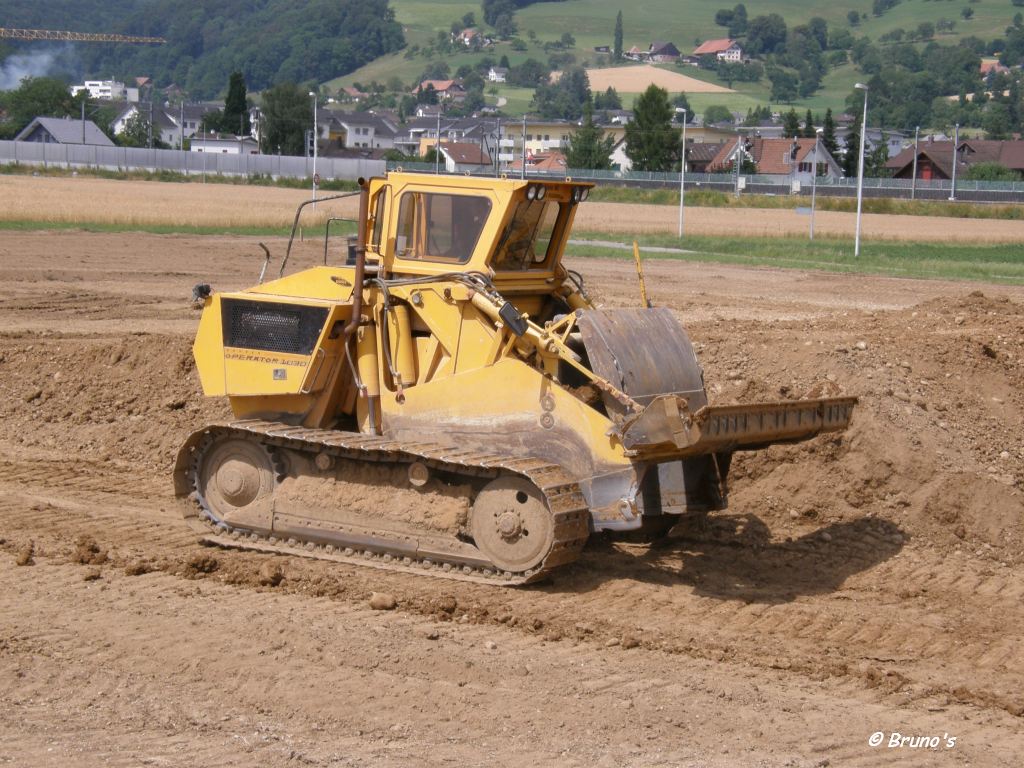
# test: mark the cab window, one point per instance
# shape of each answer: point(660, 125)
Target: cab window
point(438, 227)
point(527, 238)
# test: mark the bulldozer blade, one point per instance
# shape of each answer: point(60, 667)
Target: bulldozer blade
point(666, 426)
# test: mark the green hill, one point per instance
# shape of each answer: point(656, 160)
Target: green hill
point(683, 22)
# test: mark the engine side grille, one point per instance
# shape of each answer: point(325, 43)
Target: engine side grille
point(272, 327)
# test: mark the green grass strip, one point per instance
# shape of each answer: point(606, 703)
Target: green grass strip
point(1001, 263)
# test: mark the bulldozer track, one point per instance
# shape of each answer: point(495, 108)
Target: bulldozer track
point(565, 500)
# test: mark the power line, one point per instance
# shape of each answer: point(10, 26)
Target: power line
point(86, 37)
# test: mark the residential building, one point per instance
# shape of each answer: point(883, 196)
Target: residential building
point(723, 49)
point(790, 158)
point(700, 154)
point(224, 144)
point(360, 130)
point(471, 37)
point(460, 157)
point(167, 121)
point(104, 90)
point(348, 93)
point(663, 52)
point(55, 130)
point(551, 161)
point(497, 74)
point(446, 90)
point(935, 158)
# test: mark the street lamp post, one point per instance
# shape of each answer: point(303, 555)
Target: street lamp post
point(860, 167)
point(814, 175)
point(956, 140)
point(682, 178)
point(316, 136)
point(913, 180)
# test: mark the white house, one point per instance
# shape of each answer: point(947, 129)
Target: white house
point(106, 90)
point(497, 74)
point(165, 128)
point(723, 49)
point(224, 144)
point(360, 130)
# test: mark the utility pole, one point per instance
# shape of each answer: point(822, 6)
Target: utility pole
point(83, 121)
point(737, 162)
point(814, 176)
point(913, 179)
point(150, 128)
point(522, 173)
point(497, 147)
point(316, 137)
point(682, 178)
point(860, 168)
point(437, 143)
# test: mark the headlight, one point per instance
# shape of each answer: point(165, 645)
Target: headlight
point(541, 191)
point(531, 192)
point(584, 194)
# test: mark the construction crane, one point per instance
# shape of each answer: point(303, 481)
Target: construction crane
point(85, 37)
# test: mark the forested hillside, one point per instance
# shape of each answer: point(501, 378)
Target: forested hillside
point(269, 41)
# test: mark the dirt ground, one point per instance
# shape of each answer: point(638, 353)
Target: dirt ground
point(636, 79)
point(859, 584)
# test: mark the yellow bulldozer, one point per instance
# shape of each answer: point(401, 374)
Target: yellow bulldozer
point(448, 400)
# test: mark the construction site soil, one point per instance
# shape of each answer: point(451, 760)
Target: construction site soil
point(862, 583)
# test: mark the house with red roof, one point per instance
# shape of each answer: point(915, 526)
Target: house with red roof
point(447, 90)
point(792, 158)
point(723, 49)
point(935, 158)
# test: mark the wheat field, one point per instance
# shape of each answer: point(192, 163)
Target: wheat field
point(85, 200)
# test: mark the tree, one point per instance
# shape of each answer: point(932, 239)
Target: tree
point(288, 115)
point(617, 45)
point(967, 13)
point(925, 30)
point(236, 106)
point(766, 34)
point(791, 124)
point(991, 171)
point(589, 147)
point(808, 132)
point(563, 100)
point(607, 100)
point(652, 144)
point(469, 20)
point(853, 17)
point(739, 21)
point(39, 97)
point(679, 101)
point(784, 85)
point(716, 113)
point(852, 149)
point(996, 121)
point(828, 134)
point(136, 131)
point(427, 94)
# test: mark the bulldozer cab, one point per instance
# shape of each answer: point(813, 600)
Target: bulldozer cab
point(511, 230)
